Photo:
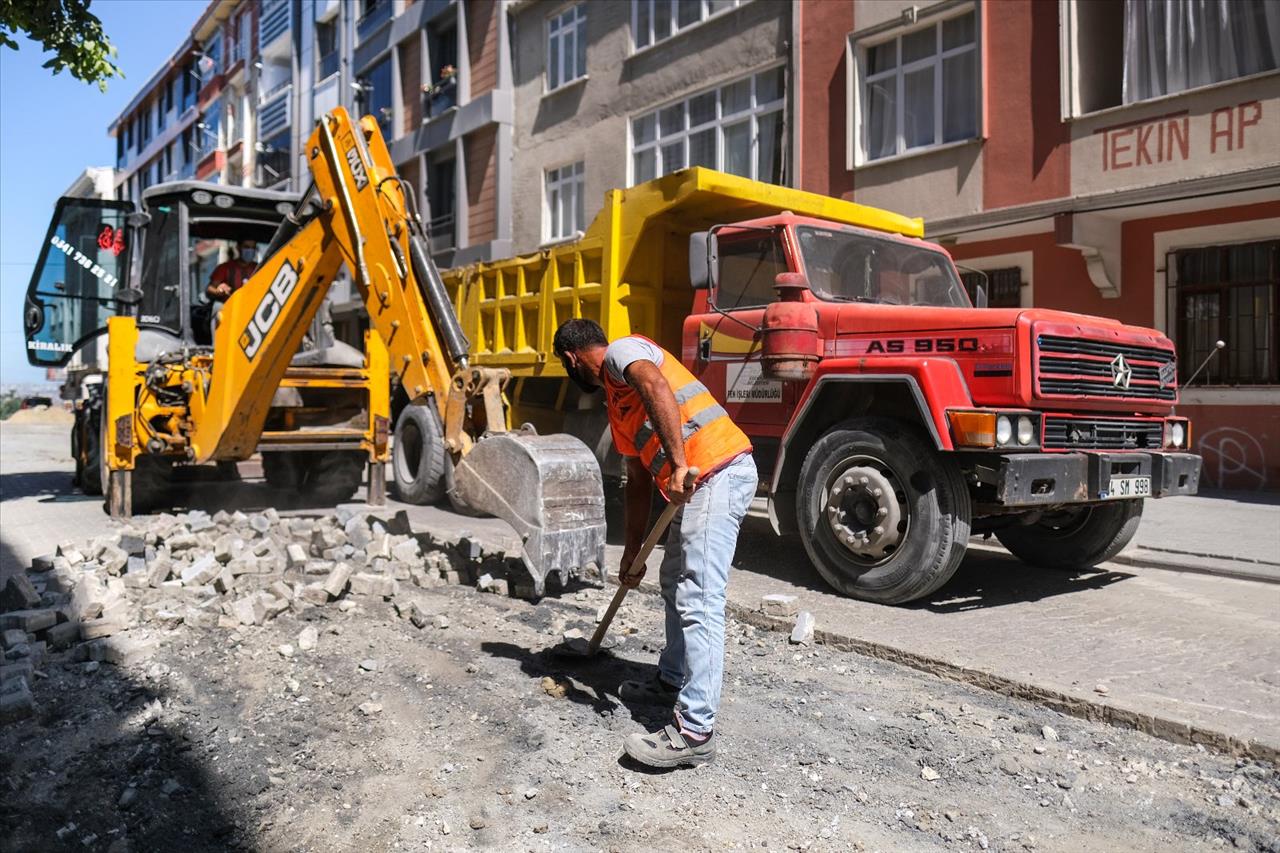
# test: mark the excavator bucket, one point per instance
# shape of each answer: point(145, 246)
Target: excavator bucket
point(548, 488)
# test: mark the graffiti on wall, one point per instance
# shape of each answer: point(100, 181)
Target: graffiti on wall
point(1233, 459)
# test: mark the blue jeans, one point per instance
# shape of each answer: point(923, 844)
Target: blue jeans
point(694, 575)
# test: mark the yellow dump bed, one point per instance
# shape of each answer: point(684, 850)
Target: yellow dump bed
point(629, 272)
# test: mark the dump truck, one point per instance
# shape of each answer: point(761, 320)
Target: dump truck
point(190, 383)
point(891, 417)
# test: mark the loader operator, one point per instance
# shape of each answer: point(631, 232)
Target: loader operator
point(230, 275)
point(664, 421)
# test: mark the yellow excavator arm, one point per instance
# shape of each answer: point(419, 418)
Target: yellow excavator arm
point(356, 212)
point(359, 213)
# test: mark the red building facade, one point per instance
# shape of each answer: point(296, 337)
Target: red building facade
point(1106, 158)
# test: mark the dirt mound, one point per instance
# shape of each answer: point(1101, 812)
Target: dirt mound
point(41, 415)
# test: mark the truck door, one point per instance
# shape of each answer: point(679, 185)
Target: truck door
point(726, 334)
point(82, 269)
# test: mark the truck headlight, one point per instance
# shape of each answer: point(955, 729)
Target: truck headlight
point(1004, 429)
point(1175, 434)
point(1026, 430)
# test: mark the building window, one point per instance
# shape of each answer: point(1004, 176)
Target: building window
point(1003, 286)
point(190, 79)
point(919, 88)
point(736, 128)
point(206, 137)
point(1126, 53)
point(567, 46)
point(375, 95)
point(274, 161)
point(655, 20)
point(564, 212)
point(326, 48)
point(119, 150)
point(1229, 293)
point(441, 197)
point(373, 14)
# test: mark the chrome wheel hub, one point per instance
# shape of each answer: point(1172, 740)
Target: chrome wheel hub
point(864, 512)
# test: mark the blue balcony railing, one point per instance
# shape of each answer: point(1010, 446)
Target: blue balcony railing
point(273, 115)
point(274, 22)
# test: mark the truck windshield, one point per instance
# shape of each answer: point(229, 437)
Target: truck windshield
point(847, 267)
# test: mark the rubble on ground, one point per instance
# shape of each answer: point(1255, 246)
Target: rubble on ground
point(113, 598)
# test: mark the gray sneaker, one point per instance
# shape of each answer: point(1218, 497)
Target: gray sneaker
point(654, 691)
point(668, 748)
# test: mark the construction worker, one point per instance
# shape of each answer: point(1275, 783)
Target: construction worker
point(230, 275)
point(664, 422)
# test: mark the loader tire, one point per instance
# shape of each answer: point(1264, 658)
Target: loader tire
point(883, 516)
point(333, 476)
point(87, 448)
point(1075, 537)
point(318, 476)
point(282, 470)
point(418, 457)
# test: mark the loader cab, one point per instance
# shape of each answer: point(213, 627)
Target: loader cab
point(101, 258)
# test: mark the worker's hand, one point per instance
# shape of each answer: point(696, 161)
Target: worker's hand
point(625, 576)
point(681, 485)
point(222, 290)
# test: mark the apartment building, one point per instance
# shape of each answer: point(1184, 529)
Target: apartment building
point(437, 74)
point(608, 94)
point(1119, 159)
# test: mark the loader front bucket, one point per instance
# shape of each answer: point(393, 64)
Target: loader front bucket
point(547, 487)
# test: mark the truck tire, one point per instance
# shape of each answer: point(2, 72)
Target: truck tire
point(1075, 537)
point(282, 469)
point(418, 456)
point(883, 516)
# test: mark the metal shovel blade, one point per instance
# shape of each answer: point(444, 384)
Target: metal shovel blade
point(547, 487)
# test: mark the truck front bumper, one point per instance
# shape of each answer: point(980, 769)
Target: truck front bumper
point(1037, 479)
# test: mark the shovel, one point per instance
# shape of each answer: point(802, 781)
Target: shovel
point(575, 647)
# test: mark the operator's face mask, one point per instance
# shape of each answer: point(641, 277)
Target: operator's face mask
point(577, 372)
point(249, 254)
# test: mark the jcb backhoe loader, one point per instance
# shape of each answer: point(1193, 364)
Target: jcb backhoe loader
point(176, 400)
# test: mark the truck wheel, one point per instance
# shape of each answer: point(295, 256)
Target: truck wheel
point(418, 456)
point(882, 515)
point(333, 476)
point(1075, 537)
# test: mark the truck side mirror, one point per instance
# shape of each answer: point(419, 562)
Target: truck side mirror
point(703, 260)
point(980, 296)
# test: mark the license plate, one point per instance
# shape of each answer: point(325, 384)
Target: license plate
point(1130, 487)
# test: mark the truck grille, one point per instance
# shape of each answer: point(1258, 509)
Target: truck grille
point(1076, 367)
point(1063, 433)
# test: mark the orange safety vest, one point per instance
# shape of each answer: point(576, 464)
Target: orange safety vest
point(710, 438)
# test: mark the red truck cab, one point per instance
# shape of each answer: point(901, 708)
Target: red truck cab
point(892, 418)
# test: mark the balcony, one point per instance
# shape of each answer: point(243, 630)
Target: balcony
point(274, 112)
point(442, 234)
point(373, 19)
point(273, 25)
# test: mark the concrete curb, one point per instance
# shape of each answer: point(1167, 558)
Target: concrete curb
point(1084, 706)
point(1147, 558)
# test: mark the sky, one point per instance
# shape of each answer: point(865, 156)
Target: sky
point(52, 128)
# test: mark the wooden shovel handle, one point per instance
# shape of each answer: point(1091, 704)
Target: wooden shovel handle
point(650, 542)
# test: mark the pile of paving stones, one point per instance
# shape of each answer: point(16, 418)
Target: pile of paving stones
point(112, 599)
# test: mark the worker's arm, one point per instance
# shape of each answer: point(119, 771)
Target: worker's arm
point(664, 414)
point(637, 500)
point(218, 288)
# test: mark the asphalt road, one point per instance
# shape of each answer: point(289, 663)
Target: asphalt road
point(1183, 655)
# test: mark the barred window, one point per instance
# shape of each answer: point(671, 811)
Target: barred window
point(1228, 293)
point(1004, 286)
point(564, 202)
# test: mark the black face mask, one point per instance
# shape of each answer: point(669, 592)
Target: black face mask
point(583, 385)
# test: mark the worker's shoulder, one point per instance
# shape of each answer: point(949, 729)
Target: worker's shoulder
point(624, 352)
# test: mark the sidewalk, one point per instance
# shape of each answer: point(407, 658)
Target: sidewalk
point(1210, 531)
